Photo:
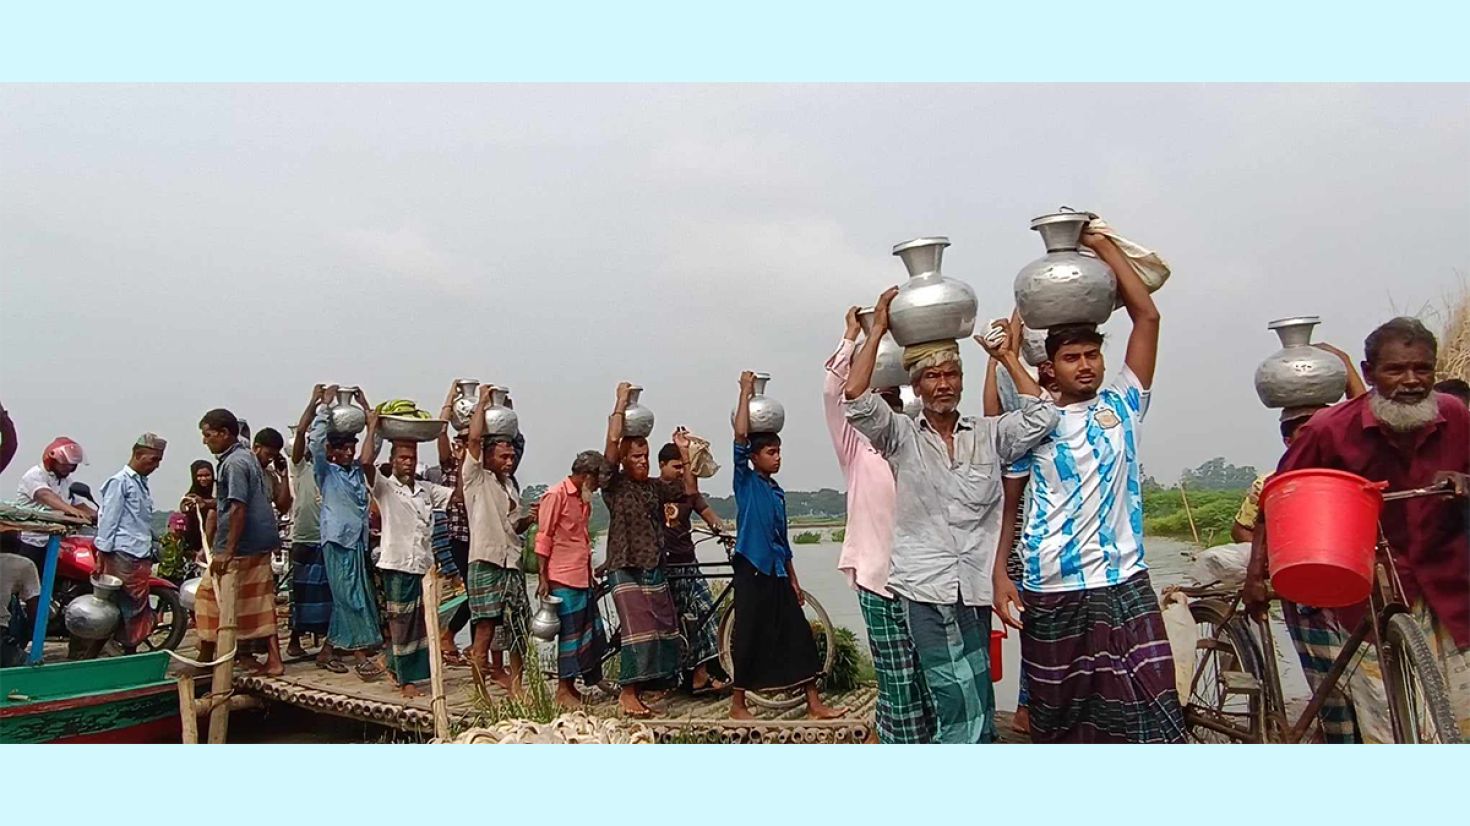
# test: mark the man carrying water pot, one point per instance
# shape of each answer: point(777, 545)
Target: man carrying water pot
point(947, 470)
point(1405, 434)
point(1097, 662)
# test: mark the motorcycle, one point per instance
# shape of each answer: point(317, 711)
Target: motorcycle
point(74, 565)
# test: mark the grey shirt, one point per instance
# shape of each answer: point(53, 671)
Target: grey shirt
point(948, 512)
point(239, 478)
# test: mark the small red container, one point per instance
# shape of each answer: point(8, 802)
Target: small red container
point(1321, 531)
point(995, 666)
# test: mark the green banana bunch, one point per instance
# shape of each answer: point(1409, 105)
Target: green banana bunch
point(401, 407)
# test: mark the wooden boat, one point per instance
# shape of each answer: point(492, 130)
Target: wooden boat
point(127, 699)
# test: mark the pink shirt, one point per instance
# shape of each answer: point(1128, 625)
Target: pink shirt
point(867, 546)
point(561, 536)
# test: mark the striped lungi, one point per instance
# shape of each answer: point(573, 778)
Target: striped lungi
point(408, 632)
point(649, 626)
point(498, 595)
point(905, 714)
point(255, 601)
point(694, 602)
point(132, 597)
point(1098, 666)
point(311, 595)
point(354, 624)
point(952, 645)
point(582, 641)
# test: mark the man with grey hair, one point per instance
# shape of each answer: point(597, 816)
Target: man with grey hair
point(1405, 434)
point(947, 469)
point(124, 544)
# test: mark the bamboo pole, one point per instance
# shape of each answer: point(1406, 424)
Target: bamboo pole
point(187, 716)
point(437, 701)
point(1188, 513)
point(224, 673)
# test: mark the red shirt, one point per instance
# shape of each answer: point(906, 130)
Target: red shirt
point(562, 542)
point(1430, 536)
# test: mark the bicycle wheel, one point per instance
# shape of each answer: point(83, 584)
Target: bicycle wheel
point(1225, 703)
point(826, 641)
point(1417, 694)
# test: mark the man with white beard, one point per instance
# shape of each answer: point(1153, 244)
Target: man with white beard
point(1405, 434)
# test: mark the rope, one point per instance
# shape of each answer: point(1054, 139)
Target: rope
point(224, 658)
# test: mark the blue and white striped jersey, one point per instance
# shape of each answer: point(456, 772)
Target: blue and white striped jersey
point(1084, 521)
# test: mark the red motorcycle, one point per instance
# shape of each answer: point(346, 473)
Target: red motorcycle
point(74, 578)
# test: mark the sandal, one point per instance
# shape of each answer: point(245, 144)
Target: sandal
point(454, 657)
point(369, 670)
point(714, 686)
point(333, 665)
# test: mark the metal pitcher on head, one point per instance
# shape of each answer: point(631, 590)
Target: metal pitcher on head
point(929, 306)
point(1299, 375)
point(1064, 286)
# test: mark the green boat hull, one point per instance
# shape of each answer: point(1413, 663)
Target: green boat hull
point(127, 699)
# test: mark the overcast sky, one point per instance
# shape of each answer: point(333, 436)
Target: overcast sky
point(168, 249)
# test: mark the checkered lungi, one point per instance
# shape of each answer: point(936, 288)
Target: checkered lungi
point(905, 714)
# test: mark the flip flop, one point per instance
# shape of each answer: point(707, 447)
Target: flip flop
point(714, 686)
point(369, 670)
point(334, 665)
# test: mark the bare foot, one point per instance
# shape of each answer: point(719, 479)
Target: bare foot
point(295, 650)
point(821, 711)
point(410, 691)
point(633, 708)
point(1021, 723)
point(503, 680)
point(571, 701)
point(269, 670)
point(740, 713)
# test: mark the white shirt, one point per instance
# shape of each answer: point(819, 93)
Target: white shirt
point(36, 479)
point(491, 507)
point(1084, 520)
point(408, 523)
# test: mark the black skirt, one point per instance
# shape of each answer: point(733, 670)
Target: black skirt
point(773, 646)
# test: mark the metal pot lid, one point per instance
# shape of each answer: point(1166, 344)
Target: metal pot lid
point(1294, 321)
point(1066, 217)
point(921, 242)
point(106, 581)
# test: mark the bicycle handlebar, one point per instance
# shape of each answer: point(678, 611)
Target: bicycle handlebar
point(1414, 493)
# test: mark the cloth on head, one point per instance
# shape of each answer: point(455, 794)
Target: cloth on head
point(940, 351)
point(152, 441)
point(1151, 268)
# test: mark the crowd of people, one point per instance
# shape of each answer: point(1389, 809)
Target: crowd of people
point(1030, 515)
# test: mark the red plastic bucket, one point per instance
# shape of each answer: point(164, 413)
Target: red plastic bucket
point(1321, 529)
point(995, 667)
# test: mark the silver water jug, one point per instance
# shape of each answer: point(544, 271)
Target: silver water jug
point(189, 592)
point(929, 307)
point(1064, 286)
point(546, 622)
point(766, 414)
point(888, 369)
point(637, 419)
point(912, 404)
point(343, 415)
point(94, 616)
point(501, 420)
point(463, 406)
point(1299, 375)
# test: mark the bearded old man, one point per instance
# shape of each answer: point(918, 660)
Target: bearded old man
point(1405, 434)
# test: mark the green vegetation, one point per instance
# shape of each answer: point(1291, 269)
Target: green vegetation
point(851, 667)
point(807, 538)
point(1213, 511)
point(171, 558)
point(1218, 474)
point(839, 534)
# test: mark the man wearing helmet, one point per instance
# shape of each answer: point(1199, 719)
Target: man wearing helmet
point(48, 484)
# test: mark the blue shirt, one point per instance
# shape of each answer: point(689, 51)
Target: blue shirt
point(344, 491)
point(761, 537)
point(125, 519)
point(240, 479)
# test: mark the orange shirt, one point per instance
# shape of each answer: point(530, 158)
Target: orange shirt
point(562, 542)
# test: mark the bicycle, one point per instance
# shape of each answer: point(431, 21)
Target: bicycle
point(1236, 693)
point(722, 612)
